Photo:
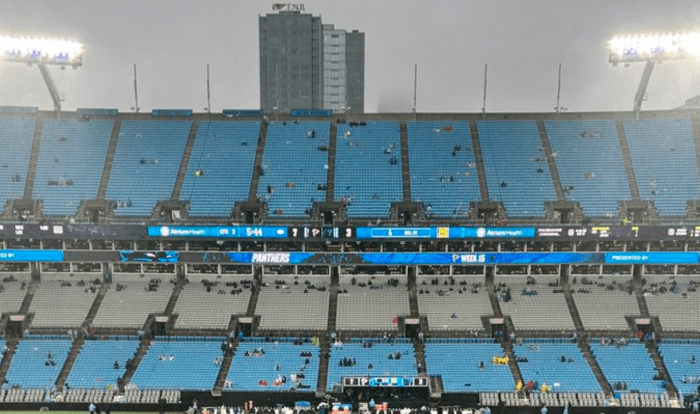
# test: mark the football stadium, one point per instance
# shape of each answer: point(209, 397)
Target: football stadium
point(323, 261)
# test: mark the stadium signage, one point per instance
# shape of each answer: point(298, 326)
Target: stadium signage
point(288, 7)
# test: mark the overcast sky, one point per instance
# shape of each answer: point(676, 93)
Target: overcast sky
point(523, 42)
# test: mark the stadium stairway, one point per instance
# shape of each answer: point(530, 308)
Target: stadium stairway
point(11, 345)
point(28, 297)
point(34, 159)
point(583, 346)
point(68, 366)
point(661, 368)
point(479, 161)
point(173, 297)
point(550, 160)
point(254, 294)
point(109, 161)
point(412, 296)
point(627, 159)
point(322, 379)
point(257, 165)
point(637, 283)
point(177, 188)
point(332, 150)
point(143, 347)
point(405, 167)
point(96, 304)
point(226, 363)
point(696, 136)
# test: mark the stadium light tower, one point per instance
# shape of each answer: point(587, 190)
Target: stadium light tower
point(651, 48)
point(42, 52)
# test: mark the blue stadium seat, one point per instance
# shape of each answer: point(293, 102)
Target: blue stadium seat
point(589, 161)
point(28, 368)
point(458, 362)
point(545, 367)
point(94, 367)
point(665, 164)
point(294, 167)
point(181, 364)
point(225, 154)
point(443, 167)
point(377, 355)
point(630, 363)
point(146, 163)
point(281, 357)
point(365, 178)
point(71, 160)
point(516, 168)
point(16, 135)
point(677, 355)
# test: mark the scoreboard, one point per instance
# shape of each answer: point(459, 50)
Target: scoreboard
point(385, 382)
point(553, 233)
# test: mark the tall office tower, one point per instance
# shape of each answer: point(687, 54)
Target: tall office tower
point(305, 64)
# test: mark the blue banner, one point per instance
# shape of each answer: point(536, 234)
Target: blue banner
point(31, 255)
point(242, 112)
point(652, 257)
point(171, 112)
point(271, 232)
point(149, 257)
point(445, 232)
point(271, 257)
point(311, 112)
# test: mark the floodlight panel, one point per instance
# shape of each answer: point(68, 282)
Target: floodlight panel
point(639, 48)
point(41, 50)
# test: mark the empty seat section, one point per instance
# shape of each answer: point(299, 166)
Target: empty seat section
point(145, 166)
point(130, 306)
point(535, 306)
point(371, 307)
point(544, 365)
point(454, 308)
point(16, 136)
point(257, 365)
point(665, 164)
point(443, 167)
point(95, 368)
point(459, 364)
point(294, 166)
point(37, 363)
point(13, 292)
point(590, 165)
point(57, 305)
point(290, 306)
point(181, 364)
point(373, 361)
point(630, 364)
point(224, 154)
point(366, 178)
point(199, 308)
point(517, 172)
point(682, 359)
point(675, 302)
point(604, 304)
point(71, 160)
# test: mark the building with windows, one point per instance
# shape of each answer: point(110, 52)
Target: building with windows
point(305, 64)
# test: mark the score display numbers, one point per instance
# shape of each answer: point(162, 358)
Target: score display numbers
point(326, 232)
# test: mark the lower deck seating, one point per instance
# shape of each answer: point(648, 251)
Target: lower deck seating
point(258, 366)
point(629, 364)
point(682, 361)
point(37, 363)
point(101, 362)
point(544, 365)
point(373, 361)
point(180, 363)
point(459, 364)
